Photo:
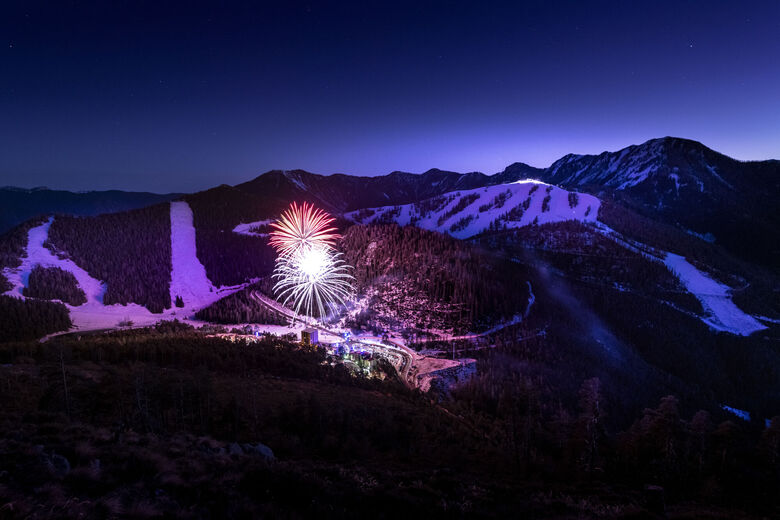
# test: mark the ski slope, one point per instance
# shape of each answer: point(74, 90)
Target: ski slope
point(715, 298)
point(721, 313)
point(38, 254)
point(188, 279)
point(92, 315)
point(188, 275)
point(466, 213)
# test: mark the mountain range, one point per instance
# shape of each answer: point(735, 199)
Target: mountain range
point(676, 181)
point(659, 261)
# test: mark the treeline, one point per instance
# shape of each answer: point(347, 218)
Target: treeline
point(462, 203)
point(240, 307)
point(497, 202)
point(30, 319)
point(438, 268)
point(231, 258)
point(130, 251)
point(53, 283)
point(275, 391)
point(525, 390)
point(665, 237)
point(426, 206)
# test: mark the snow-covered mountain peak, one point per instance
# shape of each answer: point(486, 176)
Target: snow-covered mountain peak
point(667, 165)
point(623, 169)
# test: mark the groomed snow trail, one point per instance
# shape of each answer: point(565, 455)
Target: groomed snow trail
point(38, 254)
point(188, 276)
point(723, 314)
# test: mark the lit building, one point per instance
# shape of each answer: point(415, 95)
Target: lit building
point(309, 336)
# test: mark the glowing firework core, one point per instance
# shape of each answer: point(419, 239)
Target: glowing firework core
point(313, 261)
point(309, 271)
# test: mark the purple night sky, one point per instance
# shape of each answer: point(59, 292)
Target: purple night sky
point(182, 98)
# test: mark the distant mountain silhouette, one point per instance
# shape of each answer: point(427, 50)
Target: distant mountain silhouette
point(20, 204)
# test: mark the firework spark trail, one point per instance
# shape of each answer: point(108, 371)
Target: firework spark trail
point(309, 272)
point(313, 285)
point(301, 226)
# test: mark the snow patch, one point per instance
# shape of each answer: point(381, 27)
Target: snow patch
point(246, 229)
point(714, 173)
point(707, 237)
point(742, 414)
point(295, 180)
point(531, 300)
point(676, 179)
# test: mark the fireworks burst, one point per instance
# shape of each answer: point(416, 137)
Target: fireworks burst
point(310, 274)
point(302, 226)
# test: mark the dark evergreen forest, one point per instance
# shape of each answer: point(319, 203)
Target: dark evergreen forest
point(240, 307)
point(52, 283)
point(30, 319)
